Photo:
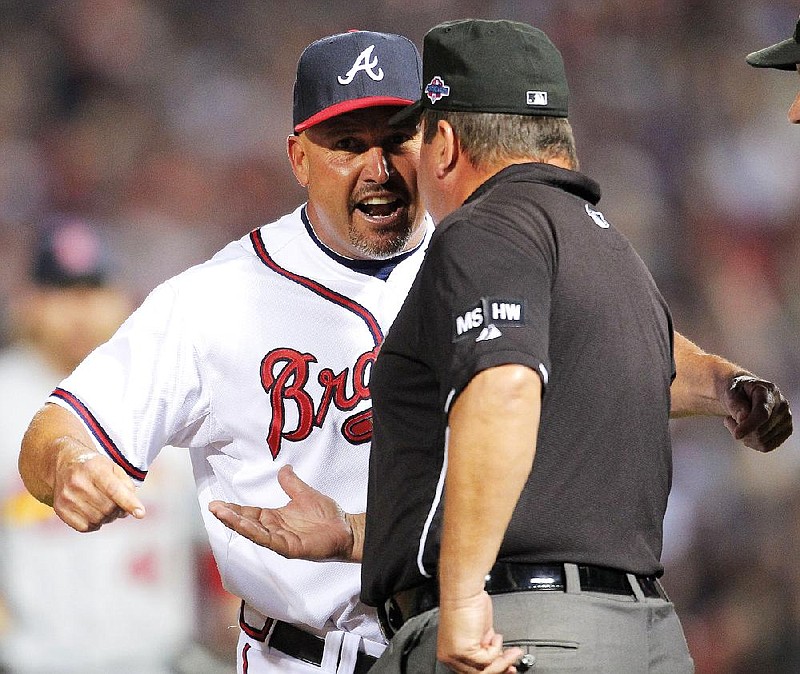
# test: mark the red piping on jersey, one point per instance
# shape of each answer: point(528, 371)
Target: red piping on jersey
point(102, 437)
point(245, 664)
point(318, 288)
point(253, 632)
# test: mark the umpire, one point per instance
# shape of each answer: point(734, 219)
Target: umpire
point(533, 329)
point(785, 55)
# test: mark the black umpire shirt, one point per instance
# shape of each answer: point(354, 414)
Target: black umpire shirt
point(527, 271)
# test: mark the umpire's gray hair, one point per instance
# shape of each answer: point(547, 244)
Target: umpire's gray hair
point(491, 138)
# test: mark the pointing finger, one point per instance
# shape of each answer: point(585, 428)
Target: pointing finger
point(121, 490)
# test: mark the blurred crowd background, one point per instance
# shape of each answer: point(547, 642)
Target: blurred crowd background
point(163, 124)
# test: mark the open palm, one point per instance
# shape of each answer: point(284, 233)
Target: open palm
point(311, 526)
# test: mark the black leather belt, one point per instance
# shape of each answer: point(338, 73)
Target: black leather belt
point(310, 648)
point(512, 577)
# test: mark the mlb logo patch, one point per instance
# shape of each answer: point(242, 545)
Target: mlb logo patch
point(537, 98)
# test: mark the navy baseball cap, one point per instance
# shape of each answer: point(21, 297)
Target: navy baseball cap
point(784, 55)
point(70, 252)
point(354, 70)
point(477, 65)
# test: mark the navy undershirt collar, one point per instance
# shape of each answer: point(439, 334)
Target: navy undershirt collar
point(380, 269)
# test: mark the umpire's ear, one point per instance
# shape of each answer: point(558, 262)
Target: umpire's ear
point(298, 158)
point(445, 150)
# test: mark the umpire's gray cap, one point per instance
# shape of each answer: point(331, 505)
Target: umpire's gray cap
point(784, 55)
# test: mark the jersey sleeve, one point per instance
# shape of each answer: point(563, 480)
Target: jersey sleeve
point(492, 291)
point(141, 390)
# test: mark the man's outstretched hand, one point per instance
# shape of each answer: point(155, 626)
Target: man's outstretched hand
point(758, 414)
point(311, 526)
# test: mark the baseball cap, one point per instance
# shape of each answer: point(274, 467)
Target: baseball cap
point(784, 55)
point(495, 66)
point(70, 252)
point(354, 70)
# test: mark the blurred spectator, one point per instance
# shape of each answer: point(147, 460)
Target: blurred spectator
point(118, 601)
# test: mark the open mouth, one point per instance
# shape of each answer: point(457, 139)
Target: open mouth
point(380, 207)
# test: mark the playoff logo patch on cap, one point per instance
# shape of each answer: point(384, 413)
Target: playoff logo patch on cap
point(436, 89)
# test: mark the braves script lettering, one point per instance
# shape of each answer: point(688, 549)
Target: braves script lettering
point(284, 376)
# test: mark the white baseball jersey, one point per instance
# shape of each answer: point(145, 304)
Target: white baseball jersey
point(258, 358)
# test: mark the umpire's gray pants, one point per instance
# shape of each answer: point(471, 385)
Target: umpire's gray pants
point(572, 631)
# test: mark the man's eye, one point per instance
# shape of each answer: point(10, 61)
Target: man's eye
point(348, 145)
point(400, 138)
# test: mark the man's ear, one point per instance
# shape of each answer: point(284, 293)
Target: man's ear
point(447, 149)
point(298, 159)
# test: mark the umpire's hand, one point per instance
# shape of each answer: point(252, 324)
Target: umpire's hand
point(466, 640)
point(758, 414)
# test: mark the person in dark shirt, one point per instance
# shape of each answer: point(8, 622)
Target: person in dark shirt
point(523, 355)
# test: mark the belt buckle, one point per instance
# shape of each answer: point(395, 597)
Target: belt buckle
point(390, 618)
point(407, 604)
point(652, 588)
point(507, 577)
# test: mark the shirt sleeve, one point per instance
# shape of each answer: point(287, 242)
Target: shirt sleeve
point(141, 390)
point(491, 299)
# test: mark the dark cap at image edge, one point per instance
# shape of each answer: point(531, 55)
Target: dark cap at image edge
point(784, 55)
